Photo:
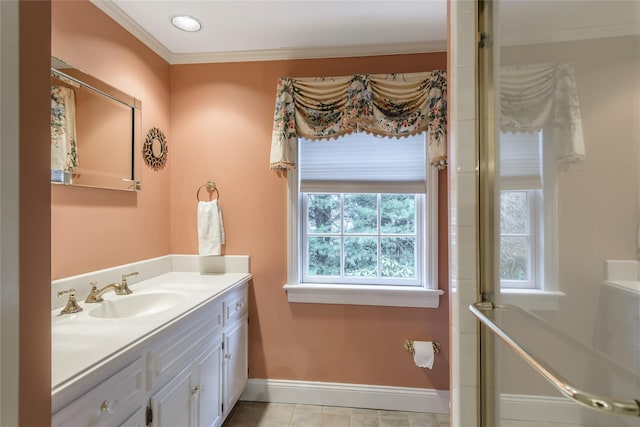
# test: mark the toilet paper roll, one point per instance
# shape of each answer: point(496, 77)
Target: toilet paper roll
point(423, 354)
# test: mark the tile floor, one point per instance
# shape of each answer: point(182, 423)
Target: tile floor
point(258, 414)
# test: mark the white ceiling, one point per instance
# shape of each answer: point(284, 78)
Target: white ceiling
point(236, 30)
point(243, 30)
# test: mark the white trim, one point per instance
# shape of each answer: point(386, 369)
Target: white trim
point(549, 226)
point(532, 299)
point(426, 296)
point(293, 234)
point(512, 406)
point(348, 395)
point(309, 53)
point(534, 237)
point(524, 407)
point(592, 32)
point(394, 296)
point(430, 243)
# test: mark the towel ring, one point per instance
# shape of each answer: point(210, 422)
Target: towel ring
point(211, 186)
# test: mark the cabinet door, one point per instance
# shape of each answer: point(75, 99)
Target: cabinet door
point(138, 419)
point(108, 403)
point(207, 393)
point(235, 362)
point(171, 405)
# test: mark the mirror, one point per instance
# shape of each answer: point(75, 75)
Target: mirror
point(95, 131)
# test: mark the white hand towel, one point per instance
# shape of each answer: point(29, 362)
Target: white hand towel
point(210, 228)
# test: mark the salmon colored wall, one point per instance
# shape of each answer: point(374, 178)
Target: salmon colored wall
point(217, 119)
point(34, 398)
point(221, 120)
point(97, 228)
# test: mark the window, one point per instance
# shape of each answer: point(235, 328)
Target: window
point(527, 213)
point(519, 215)
point(361, 238)
point(521, 211)
point(362, 222)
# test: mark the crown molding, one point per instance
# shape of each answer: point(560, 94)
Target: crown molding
point(309, 53)
point(125, 21)
point(601, 32)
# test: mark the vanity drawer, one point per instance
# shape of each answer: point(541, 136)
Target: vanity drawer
point(110, 402)
point(236, 304)
point(180, 345)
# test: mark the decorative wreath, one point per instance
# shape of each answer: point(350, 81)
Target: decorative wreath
point(156, 138)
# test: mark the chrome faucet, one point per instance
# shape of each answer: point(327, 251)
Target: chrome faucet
point(95, 295)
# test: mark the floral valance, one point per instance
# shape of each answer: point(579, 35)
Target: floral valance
point(394, 105)
point(64, 145)
point(543, 97)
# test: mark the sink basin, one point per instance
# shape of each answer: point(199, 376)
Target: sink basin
point(137, 305)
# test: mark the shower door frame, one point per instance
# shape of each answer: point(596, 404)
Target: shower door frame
point(486, 262)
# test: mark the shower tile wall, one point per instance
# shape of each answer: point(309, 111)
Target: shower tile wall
point(462, 202)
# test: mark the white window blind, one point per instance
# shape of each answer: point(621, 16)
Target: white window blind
point(363, 163)
point(520, 160)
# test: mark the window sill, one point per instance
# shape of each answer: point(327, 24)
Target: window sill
point(393, 296)
point(532, 300)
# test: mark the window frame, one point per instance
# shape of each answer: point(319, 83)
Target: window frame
point(420, 244)
point(545, 295)
point(536, 256)
point(426, 294)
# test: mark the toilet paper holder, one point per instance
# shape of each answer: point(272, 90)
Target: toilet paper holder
point(408, 345)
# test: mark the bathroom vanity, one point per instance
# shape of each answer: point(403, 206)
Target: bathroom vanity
point(173, 353)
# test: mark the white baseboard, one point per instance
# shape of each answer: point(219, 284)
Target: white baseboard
point(513, 406)
point(540, 408)
point(348, 395)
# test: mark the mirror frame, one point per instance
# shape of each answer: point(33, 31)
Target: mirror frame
point(96, 180)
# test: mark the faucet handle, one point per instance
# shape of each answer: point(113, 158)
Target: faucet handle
point(124, 286)
point(72, 305)
point(92, 293)
point(124, 276)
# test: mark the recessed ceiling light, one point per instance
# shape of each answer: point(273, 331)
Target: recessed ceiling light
point(186, 23)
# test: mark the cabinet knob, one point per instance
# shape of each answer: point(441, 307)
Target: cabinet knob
point(199, 389)
point(106, 407)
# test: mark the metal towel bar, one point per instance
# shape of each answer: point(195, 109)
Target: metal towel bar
point(603, 404)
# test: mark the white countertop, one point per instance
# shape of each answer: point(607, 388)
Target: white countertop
point(81, 342)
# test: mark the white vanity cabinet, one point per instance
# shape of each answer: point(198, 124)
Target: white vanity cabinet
point(236, 332)
point(189, 373)
point(193, 397)
point(110, 403)
point(184, 372)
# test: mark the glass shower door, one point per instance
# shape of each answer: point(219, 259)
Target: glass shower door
point(560, 213)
